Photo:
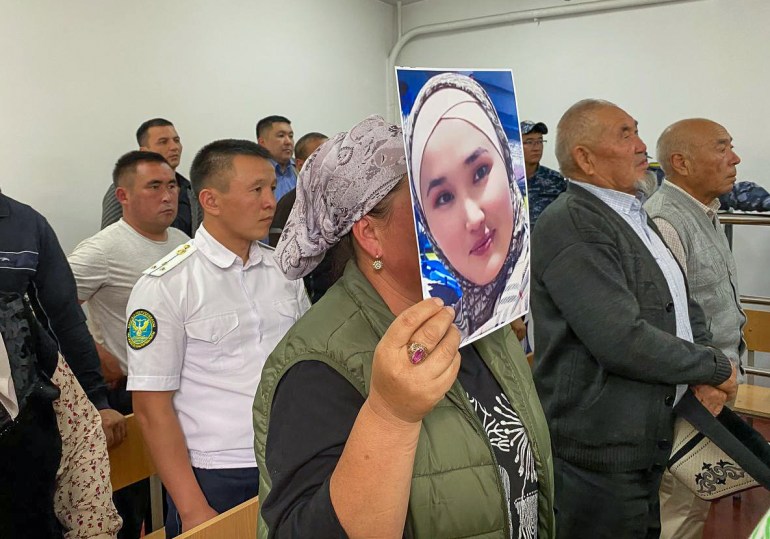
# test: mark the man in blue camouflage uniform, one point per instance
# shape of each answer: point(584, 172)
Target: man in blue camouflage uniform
point(543, 186)
point(543, 183)
point(746, 196)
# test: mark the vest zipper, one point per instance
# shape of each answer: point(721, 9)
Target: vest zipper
point(463, 403)
point(526, 421)
point(542, 478)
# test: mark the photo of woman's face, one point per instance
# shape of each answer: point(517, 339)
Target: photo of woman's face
point(466, 199)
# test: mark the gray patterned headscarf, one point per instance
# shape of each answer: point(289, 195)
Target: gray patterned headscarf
point(342, 181)
point(451, 95)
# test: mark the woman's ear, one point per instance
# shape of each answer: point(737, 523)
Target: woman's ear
point(367, 235)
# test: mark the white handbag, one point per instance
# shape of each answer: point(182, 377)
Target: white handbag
point(717, 456)
point(700, 464)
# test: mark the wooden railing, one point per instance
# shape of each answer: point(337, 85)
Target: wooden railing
point(130, 462)
point(753, 400)
point(240, 522)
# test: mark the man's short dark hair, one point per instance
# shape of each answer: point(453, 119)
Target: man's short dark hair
point(127, 164)
point(300, 149)
point(141, 133)
point(215, 160)
point(266, 123)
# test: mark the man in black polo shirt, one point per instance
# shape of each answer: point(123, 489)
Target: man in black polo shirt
point(159, 135)
point(32, 262)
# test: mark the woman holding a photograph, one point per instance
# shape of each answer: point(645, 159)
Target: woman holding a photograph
point(368, 420)
point(468, 202)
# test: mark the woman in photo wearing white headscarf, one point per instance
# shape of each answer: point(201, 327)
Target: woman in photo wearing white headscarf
point(468, 202)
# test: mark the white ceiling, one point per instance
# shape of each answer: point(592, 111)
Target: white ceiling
point(394, 2)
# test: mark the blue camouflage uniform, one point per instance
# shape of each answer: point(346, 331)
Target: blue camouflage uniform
point(746, 196)
point(542, 189)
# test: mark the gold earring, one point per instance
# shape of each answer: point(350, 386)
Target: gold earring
point(377, 264)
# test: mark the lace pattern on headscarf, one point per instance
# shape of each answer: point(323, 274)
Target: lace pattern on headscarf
point(341, 182)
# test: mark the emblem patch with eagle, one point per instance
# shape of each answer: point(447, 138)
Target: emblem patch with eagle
point(142, 329)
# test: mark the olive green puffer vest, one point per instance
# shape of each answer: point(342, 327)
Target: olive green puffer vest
point(456, 489)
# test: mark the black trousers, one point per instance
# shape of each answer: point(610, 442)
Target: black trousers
point(31, 450)
point(599, 505)
point(223, 489)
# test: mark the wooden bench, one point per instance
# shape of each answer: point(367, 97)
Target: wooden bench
point(157, 534)
point(754, 401)
point(240, 522)
point(756, 332)
point(130, 462)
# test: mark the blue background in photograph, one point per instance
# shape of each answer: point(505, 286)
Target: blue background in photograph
point(499, 87)
point(498, 84)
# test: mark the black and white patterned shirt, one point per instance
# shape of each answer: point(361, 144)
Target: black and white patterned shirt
point(509, 441)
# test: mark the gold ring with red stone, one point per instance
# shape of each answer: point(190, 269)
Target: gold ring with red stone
point(417, 352)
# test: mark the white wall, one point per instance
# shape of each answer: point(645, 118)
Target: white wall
point(78, 77)
point(702, 58)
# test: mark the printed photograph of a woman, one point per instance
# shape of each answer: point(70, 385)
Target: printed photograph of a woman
point(469, 209)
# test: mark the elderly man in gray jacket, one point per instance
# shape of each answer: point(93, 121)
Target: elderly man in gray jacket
point(618, 338)
point(698, 158)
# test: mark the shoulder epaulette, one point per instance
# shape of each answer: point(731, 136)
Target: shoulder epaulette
point(171, 260)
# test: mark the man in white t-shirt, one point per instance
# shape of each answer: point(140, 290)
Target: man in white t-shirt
point(201, 323)
point(107, 265)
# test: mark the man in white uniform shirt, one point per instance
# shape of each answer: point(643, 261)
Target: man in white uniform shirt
point(201, 323)
point(106, 267)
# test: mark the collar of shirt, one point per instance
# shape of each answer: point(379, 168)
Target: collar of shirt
point(220, 255)
point(134, 232)
point(286, 170)
point(620, 202)
point(709, 209)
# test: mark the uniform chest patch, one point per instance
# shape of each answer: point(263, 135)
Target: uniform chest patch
point(141, 330)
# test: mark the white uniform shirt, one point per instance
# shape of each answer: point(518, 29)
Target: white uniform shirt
point(212, 324)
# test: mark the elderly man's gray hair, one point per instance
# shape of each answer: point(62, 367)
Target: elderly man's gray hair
point(676, 138)
point(577, 126)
